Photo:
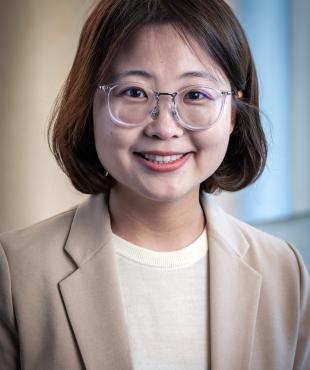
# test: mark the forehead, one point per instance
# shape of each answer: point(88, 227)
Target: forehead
point(164, 52)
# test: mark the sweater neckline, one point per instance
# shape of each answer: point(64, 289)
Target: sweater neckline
point(180, 258)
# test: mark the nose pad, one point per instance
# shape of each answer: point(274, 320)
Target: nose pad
point(156, 110)
point(173, 110)
point(164, 123)
point(175, 114)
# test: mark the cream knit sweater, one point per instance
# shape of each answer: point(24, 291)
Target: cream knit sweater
point(165, 300)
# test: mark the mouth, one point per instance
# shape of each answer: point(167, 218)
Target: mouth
point(161, 158)
point(163, 162)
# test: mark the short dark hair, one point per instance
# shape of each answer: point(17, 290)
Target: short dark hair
point(210, 22)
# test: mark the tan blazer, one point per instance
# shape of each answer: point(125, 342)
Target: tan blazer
point(60, 300)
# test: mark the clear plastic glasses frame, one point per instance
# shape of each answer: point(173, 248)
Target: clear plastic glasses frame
point(207, 108)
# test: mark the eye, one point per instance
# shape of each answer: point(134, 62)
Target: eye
point(195, 95)
point(134, 92)
point(198, 95)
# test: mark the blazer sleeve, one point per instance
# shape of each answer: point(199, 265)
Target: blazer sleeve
point(302, 357)
point(9, 352)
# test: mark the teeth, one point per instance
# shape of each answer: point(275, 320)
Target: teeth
point(162, 158)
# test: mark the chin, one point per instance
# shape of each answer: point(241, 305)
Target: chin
point(167, 194)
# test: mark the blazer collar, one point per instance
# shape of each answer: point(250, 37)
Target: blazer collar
point(91, 294)
point(222, 227)
point(90, 229)
point(234, 291)
point(93, 301)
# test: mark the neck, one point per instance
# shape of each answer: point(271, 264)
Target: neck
point(164, 226)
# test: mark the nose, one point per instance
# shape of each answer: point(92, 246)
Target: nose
point(164, 124)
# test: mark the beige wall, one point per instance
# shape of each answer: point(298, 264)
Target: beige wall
point(38, 39)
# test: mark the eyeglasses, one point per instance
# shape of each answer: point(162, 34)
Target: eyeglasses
point(196, 107)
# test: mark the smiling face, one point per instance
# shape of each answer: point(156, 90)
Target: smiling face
point(161, 160)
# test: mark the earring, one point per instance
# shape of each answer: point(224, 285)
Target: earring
point(240, 94)
point(106, 174)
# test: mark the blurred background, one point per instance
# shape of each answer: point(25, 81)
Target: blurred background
point(38, 40)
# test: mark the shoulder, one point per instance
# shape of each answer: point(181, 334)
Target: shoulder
point(278, 262)
point(267, 249)
point(38, 237)
point(259, 239)
point(262, 251)
point(281, 266)
point(34, 258)
point(266, 246)
point(58, 243)
point(285, 279)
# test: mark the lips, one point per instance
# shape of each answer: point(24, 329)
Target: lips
point(161, 158)
point(163, 162)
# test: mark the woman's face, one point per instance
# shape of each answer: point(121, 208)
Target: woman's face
point(161, 160)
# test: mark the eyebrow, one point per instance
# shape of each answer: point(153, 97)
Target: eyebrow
point(140, 73)
point(201, 74)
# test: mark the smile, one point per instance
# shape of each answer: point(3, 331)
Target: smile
point(162, 158)
point(163, 162)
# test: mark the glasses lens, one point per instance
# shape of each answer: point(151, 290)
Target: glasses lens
point(199, 106)
point(130, 104)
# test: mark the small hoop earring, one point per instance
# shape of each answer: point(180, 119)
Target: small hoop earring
point(106, 174)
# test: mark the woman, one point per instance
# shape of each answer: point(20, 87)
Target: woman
point(160, 108)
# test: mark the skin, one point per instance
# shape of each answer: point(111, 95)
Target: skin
point(156, 209)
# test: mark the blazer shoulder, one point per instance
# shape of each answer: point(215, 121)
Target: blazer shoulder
point(256, 236)
point(51, 230)
point(242, 238)
point(269, 249)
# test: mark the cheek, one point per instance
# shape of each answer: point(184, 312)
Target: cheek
point(217, 137)
point(103, 133)
point(212, 149)
point(113, 143)
point(103, 137)
point(212, 139)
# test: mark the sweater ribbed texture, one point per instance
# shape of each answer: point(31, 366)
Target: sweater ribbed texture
point(165, 302)
point(176, 259)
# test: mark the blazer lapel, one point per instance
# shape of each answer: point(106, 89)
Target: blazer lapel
point(91, 294)
point(234, 293)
